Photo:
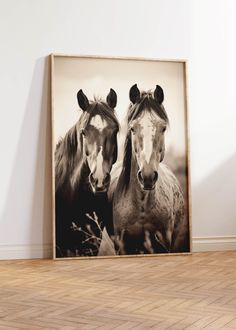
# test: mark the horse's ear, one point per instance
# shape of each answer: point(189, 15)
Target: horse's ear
point(112, 98)
point(82, 100)
point(134, 94)
point(159, 94)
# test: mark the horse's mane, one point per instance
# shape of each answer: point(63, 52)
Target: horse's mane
point(146, 103)
point(69, 153)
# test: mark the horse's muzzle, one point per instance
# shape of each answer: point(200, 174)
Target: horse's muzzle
point(148, 180)
point(99, 186)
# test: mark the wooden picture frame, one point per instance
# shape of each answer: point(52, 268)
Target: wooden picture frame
point(91, 175)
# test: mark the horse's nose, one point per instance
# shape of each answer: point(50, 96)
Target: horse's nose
point(147, 179)
point(100, 185)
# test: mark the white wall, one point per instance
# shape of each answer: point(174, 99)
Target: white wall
point(201, 31)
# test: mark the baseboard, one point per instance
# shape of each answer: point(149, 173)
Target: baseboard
point(200, 244)
point(8, 252)
point(214, 243)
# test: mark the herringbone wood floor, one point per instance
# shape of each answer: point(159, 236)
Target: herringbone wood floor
point(173, 292)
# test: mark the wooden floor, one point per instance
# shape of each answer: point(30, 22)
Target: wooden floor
point(173, 292)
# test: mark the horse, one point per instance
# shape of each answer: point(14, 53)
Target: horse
point(83, 162)
point(147, 201)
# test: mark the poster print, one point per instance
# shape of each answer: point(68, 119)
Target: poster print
point(120, 157)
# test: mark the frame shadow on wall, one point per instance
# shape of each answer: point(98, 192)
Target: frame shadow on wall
point(29, 193)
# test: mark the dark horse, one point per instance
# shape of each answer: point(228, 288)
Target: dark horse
point(148, 204)
point(83, 161)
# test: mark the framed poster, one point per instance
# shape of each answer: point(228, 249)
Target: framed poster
point(120, 157)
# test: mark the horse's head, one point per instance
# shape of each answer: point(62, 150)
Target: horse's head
point(98, 129)
point(147, 122)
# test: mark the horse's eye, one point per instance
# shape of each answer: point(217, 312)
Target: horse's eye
point(132, 129)
point(82, 132)
point(163, 129)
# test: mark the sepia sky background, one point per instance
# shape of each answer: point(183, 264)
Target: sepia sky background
point(96, 76)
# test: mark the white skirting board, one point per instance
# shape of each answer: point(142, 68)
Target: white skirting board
point(200, 244)
point(214, 243)
point(8, 252)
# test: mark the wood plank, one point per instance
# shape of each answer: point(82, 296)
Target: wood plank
point(178, 292)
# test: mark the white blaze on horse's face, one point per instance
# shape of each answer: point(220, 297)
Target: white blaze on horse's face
point(98, 122)
point(148, 137)
point(148, 130)
point(148, 145)
point(98, 173)
point(97, 168)
point(99, 145)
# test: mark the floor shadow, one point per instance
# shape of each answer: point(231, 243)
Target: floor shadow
point(28, 207)
point(214, 202)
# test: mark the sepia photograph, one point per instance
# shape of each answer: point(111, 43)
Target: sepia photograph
point(120, 157)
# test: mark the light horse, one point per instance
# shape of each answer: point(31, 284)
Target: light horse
point(148, 204)
point(83, 161)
